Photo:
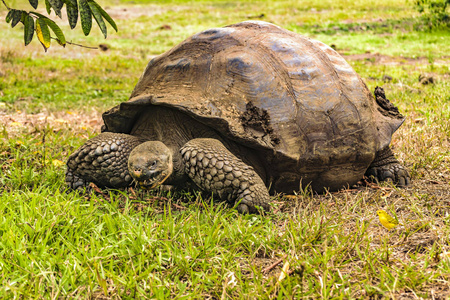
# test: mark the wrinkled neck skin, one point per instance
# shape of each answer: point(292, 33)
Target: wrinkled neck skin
point(174, 129)
point(178, 176)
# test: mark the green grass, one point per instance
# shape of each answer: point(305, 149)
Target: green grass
point(137, 245)
point(56, 84)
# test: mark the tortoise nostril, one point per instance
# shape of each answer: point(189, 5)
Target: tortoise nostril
point(137, 172)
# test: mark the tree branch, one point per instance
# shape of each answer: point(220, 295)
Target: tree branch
point(276, 263)
point(4, 3)
point(81, 45)
point(70, 43)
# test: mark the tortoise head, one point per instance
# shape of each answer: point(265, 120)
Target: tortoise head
point(150, 164)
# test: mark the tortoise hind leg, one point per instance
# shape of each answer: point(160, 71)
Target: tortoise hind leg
point(385, 167)
point(102, 160)
point(215, 169)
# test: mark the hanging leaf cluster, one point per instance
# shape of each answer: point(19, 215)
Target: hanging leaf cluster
point(44, 27)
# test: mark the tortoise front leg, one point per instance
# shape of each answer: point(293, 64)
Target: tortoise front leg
point(215, 169)
point(386, 167)
point(102, 160)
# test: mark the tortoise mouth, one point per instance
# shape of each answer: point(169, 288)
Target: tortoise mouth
point(152, 183)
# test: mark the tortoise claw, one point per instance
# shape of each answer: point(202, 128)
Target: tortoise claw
point(393, 172)
point(243, 209)
point(386, 167)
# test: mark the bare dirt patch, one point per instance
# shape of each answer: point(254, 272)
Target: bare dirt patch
point(380, 59)
point(136, 11)
point(19, 122)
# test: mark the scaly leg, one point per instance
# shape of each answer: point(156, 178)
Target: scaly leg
point(102, 160)
point(215, 169)
point(386, 167)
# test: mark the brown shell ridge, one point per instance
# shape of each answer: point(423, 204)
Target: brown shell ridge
point(239, 78)
point(327, 60)
point(270, 63)
point(324, 58)
point(339, 86)
point(121, 118)
point(282, 77)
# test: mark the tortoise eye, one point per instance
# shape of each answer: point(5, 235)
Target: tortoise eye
point(153, 165)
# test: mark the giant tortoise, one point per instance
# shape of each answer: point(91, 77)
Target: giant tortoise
point(242, 111)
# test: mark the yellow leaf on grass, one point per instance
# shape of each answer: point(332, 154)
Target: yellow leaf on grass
point(16, 124)
point(54, 162)
point(284, 271)
point(57, 163)
point(445, 255)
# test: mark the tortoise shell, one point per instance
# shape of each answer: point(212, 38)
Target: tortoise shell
point(295, 100)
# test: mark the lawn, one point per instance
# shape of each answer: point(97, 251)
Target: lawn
point(130, 244)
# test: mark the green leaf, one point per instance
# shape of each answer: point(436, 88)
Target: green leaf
point(70, 2)
point(9, 16)
point(34, 3)
point(60, 38)
point(28, 29)
point(61, 43)
point(106, 16)
point(60, 5)
point(98, 17)
point(16, 17)
point(43, 33)
point(58, 32)
point(72, 13)
point(86, 16)
point(56, 5)
point(47, 6)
